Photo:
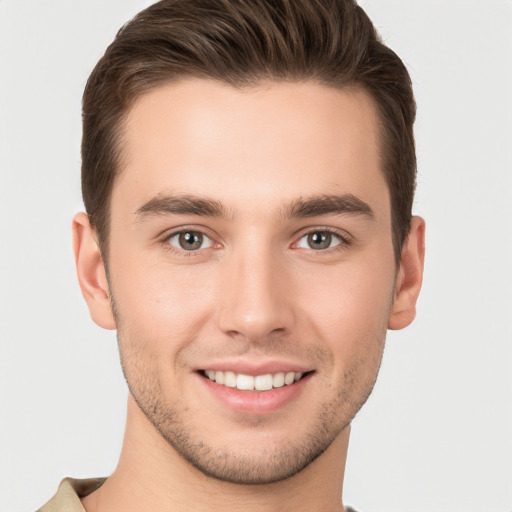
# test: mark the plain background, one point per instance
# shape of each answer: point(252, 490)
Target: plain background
point(437, 433)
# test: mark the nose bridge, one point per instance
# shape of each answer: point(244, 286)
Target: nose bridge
point(254, 298)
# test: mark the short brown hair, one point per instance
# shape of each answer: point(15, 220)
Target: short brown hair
point(244, 42)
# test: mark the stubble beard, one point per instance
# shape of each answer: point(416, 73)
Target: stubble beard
point(240, 465)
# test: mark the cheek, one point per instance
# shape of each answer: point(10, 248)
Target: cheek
point(162, 304)
point(348, 307)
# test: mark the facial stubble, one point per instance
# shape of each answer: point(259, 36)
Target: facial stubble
point(247, 465)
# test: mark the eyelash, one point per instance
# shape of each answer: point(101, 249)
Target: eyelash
point(345, 241)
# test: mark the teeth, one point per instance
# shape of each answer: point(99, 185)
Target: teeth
point(289, 378)
point(278, 380)
point(243, 382)
point(250, 383)
point(230, 379)
point(263, 382)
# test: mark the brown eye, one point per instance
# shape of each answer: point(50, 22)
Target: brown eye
point(190, 240)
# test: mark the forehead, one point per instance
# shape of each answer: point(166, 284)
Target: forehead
point(250, 147)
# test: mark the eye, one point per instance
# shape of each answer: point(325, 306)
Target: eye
point(319, 240)
point(190, 240)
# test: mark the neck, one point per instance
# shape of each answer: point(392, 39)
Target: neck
point(158, 478)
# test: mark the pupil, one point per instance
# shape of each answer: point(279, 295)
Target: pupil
point(319, 240)
point(191, 240)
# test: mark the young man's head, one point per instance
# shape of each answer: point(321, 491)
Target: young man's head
point(248, 172)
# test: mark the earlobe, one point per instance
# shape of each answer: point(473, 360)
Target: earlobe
point(91, 272)
point(409, 277)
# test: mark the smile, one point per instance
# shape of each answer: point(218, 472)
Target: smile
point(244, 382)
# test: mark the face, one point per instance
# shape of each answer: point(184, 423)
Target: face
point(252, 271)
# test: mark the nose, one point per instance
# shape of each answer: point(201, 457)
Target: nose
point(255, 296)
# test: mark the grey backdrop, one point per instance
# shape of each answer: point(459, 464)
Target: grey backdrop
point(437, 433)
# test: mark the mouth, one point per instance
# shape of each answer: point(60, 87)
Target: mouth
point(243, 382)
point(255, 389)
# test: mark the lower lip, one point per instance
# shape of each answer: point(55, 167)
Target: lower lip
point(256, 402)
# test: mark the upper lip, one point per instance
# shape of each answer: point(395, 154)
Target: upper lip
point(255, 367)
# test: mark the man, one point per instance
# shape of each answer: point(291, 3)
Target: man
point(248, 175)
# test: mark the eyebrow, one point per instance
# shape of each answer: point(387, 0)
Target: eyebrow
point(301, 208)
point(181, 205)
point(329, 205)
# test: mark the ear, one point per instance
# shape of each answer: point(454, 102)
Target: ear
point(91, 272)
point(409, 276)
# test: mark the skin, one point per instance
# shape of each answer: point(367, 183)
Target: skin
point(256, 294)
